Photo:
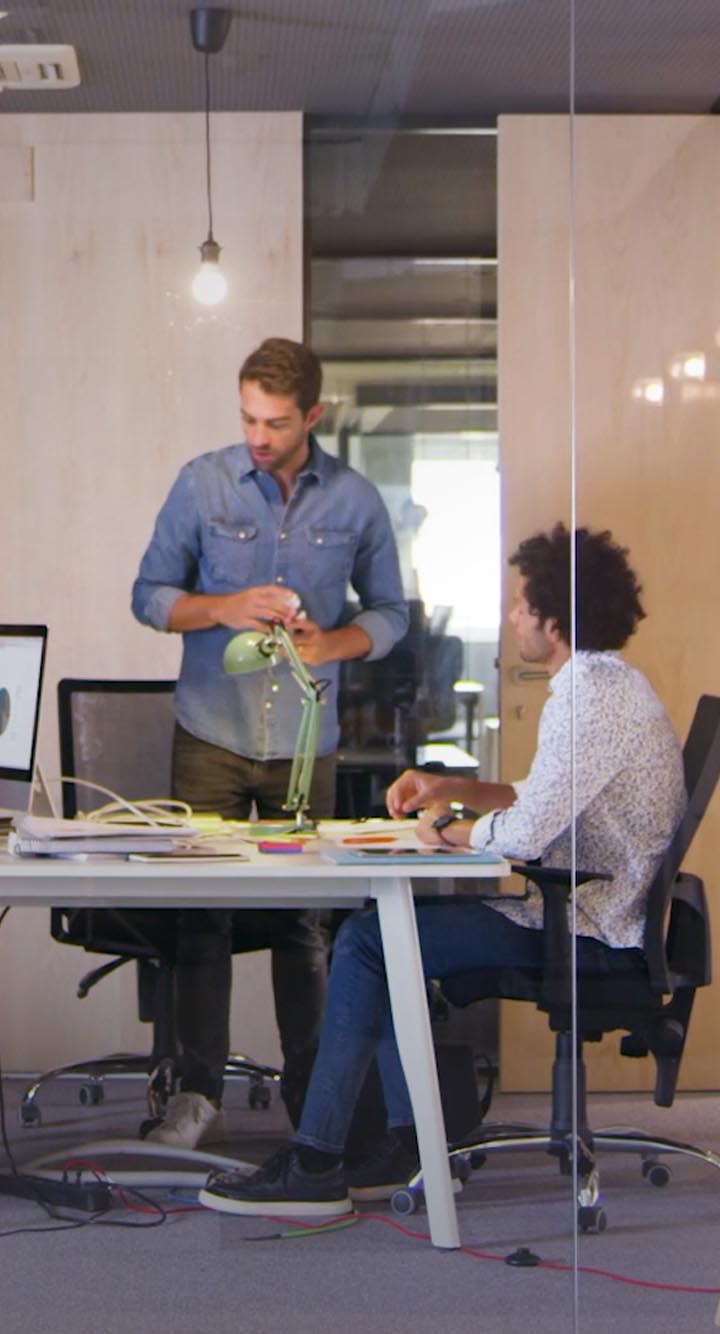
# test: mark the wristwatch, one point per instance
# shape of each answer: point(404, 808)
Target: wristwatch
point(442, 822)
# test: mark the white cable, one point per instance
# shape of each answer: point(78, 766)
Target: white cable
point(155, 811)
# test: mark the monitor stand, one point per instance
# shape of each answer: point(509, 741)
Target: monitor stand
point(39, 801)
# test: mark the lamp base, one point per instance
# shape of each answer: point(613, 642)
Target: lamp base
point(304, 823)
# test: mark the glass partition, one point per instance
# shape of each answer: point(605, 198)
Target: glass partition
point(647, 398)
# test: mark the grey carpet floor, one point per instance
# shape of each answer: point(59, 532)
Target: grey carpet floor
point(203, 1271)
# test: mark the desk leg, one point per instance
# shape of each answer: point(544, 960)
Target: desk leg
point(406, 985)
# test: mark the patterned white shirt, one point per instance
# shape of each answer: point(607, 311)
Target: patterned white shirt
point(629, 796)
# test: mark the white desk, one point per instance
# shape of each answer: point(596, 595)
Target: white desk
point(287, 880)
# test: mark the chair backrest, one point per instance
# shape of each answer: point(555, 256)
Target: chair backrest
point(701, 760)
point(118, 734)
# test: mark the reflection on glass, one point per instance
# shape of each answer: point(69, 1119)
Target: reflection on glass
point(688, 366)
point(649, 390)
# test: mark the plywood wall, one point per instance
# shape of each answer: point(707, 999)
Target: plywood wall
point(110, 377)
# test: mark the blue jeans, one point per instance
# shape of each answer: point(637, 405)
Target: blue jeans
point(358, 1023)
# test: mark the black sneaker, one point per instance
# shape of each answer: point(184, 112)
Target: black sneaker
point(280, 1186)
point(391, 1167)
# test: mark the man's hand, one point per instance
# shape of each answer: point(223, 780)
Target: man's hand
point(424, 829)
point(252, 609)
point(412, 790)
point(256, 607)
point(313, 644)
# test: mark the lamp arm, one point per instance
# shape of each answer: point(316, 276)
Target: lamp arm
point(299, 670)
point(301, 772)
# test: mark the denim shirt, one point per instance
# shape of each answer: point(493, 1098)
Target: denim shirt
point(220, 531)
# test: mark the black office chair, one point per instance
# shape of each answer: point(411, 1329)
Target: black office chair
point(119, 734)
point(647, 994)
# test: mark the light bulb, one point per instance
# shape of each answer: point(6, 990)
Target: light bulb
point(209, 285)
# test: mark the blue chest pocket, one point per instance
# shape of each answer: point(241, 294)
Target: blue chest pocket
point(330, 554)
point(231, 552)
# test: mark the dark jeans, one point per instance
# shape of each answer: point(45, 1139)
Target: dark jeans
point(358, 1023)
point(211, 779)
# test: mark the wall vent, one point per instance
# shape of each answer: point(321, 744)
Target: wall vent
point(29, 68)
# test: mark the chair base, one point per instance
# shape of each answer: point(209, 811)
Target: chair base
point(161, 1079)
point(522, 1138)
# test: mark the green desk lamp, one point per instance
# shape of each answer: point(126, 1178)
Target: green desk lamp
point(255, 651)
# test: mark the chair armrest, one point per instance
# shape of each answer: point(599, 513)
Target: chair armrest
point(555, 883)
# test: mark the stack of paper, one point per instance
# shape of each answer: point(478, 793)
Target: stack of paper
point(41, 836)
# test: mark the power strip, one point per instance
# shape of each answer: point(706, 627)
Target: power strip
point(93, 1197)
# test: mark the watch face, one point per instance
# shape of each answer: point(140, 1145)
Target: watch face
point(443, 821)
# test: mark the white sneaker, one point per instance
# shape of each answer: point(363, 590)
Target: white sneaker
point(190, 1119)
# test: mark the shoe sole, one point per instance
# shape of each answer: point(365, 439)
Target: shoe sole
point(386, 1191)
point(224, 1204)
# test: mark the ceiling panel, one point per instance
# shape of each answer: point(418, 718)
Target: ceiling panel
point(380, 59)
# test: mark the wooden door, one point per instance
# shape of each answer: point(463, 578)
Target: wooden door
point(647, 462)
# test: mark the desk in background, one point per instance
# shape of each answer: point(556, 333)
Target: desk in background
point(364, 774)
point(281, 881)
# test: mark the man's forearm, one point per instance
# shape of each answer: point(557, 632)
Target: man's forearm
point(490, 797)
point(195, 611)
point(348, 641)
point(475, 796)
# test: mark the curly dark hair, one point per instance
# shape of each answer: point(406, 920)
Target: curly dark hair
point(608, 605)
point(281, 366)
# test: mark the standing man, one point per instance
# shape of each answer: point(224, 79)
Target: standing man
point(273, 529)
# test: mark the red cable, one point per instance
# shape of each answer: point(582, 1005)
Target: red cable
point(501, 1259)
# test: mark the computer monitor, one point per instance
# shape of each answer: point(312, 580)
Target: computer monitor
point(22, 662)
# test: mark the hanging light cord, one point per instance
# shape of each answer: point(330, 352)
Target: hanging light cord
point(207, 146)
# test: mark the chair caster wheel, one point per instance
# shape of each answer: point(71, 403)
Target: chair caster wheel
point(405, 1201)
point(259, 1098)
point(657, 1174)
point(91, 1095)
point(29, 1115)
point(461, 1169)
point(477, 1160)
point(592, 1218)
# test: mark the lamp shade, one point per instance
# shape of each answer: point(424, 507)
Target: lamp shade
point(250, 651)
point(254, 650)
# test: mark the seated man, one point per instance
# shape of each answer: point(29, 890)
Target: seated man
point(627, 792)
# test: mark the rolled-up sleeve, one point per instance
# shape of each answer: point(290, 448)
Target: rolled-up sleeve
point(170, 563)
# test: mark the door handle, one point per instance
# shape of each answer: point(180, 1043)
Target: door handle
point(520, 674)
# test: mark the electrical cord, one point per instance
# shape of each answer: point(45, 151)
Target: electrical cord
point(300, 1229)
point(159, 812)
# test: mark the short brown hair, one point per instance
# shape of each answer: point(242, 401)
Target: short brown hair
point(281, 366)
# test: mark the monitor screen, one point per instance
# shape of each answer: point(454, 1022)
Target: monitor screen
point(22, 660)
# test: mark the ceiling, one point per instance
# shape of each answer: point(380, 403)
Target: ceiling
point(372, 77)
point(380, 60)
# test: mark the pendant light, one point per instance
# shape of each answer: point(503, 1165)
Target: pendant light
point(209, 28)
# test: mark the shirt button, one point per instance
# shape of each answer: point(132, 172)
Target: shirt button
point(268, 703)
point(242, 533)
point(279, 579)
point(283, 536)
point(318, 541)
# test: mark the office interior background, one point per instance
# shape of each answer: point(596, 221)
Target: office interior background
point(498, 225)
